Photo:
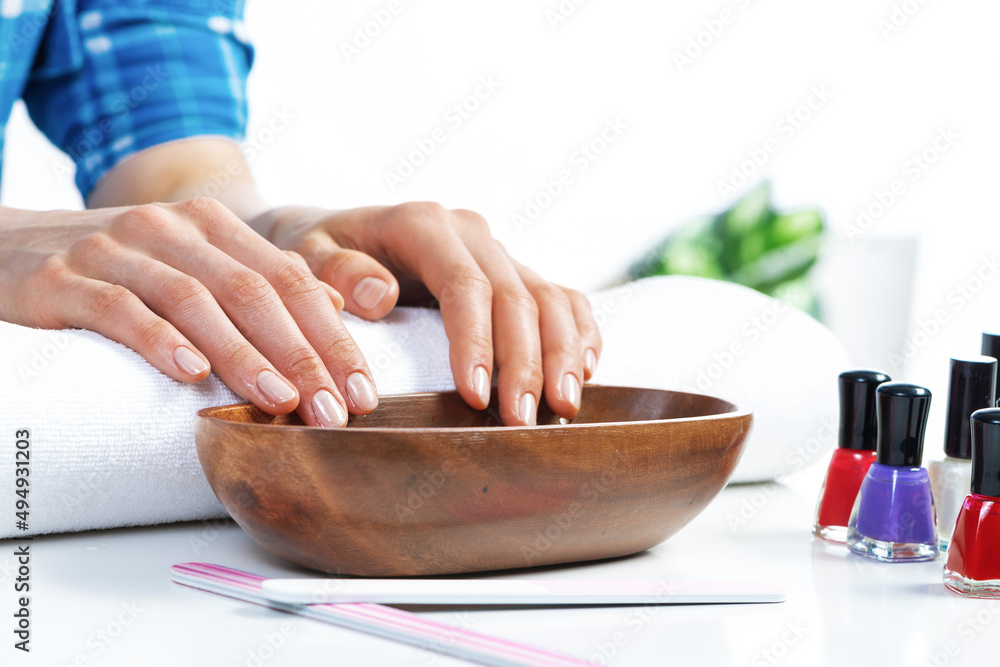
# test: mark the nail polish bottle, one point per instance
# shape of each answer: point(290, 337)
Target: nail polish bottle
point(991, 348)
point(973, 567)
point(893, 517)
point(855, 452)
point(971, 388)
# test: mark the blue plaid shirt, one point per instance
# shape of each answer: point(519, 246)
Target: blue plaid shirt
point(106, 78)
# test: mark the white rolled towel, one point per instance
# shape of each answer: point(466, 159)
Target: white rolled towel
point(111, 438)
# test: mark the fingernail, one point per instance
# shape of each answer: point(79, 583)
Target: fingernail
point(481, 384)
point(274, 388)
point(526, 409)
point(328, 409)
point(369, 292)
point(590, 360)
point(571, 389)
point(361, 392)
point(189, 362)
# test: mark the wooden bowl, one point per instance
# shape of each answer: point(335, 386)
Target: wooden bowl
point(427, 485)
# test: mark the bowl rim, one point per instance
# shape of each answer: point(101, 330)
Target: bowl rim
point(737, 412)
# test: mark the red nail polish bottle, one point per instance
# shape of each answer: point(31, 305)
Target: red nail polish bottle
point(973, 567)
point(855, 453)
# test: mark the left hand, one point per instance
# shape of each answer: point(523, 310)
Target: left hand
point(542, 337)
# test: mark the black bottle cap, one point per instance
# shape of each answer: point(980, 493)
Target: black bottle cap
point(858, 424)
point(971, 388)
point(991, 348)
point(902, 419)
point(986, 452)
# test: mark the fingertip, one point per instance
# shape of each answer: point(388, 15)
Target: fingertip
point(527, 409)
point(192, 365)
point(335, 297)
point(327, 410)
point(571, 391)
point(368, 288)
point(589, 363)
point(362, 397)
point(373, 297)
point(280, 396)
point(481, 386)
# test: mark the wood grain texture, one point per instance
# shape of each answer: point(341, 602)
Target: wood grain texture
point(427, 485)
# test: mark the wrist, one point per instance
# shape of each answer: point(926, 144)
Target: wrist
point(285, 218)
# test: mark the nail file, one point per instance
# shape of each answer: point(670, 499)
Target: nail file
point(374, 619)
point(519, 591)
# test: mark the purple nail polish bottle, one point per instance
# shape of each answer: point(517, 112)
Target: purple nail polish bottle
point(893, 517)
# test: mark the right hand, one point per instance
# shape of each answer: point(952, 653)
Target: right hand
point(191, 288)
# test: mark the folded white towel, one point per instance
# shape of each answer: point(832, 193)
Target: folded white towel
point(111, 438)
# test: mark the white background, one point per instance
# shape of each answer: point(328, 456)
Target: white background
point(892, 88)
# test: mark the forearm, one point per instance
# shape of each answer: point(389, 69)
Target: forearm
point(202, 166)
point(198, 167)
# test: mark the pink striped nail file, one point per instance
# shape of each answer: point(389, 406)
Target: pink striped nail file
point(375, 619)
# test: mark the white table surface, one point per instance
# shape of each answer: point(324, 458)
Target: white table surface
point(841, 609)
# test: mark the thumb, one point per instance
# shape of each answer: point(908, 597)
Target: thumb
point(369, 290)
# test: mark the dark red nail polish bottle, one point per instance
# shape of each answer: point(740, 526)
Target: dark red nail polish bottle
point(855, 453)
point(973, 567)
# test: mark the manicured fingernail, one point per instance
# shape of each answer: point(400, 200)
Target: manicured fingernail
point(526, 409)
point(274, 388)
point(328, 409)
point(335, 297)
point(361, 392)
point(590, 360)
point(481, 384)
point(571, 389)
point(189, 362)
point(369, 292)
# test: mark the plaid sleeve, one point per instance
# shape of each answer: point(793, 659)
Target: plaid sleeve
point(149, 72)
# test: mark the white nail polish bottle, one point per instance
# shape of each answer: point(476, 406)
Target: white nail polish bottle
point(971, 388)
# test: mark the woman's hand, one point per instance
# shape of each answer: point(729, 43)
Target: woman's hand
point(542, 337)
point(191, 288)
